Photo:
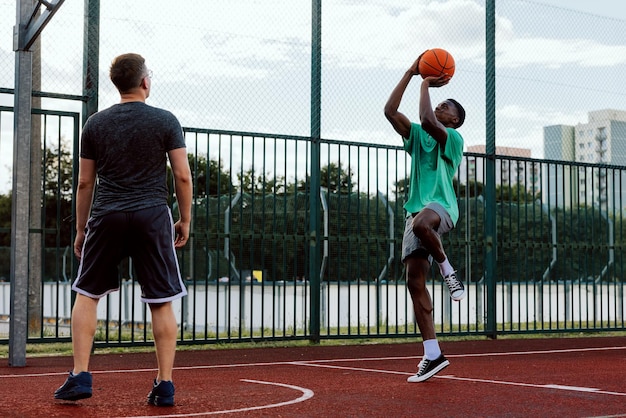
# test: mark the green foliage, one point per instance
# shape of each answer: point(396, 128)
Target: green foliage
point(5, 220)
point(56, 211)
point(56, 201)
point(209, 177)
point(336, 179)
point(583, 249)
point(5, 236)
point(359, 237)
point(252, 183)
point(267, 229)
point(333, 177)
point(471, 189)
point(516, 193)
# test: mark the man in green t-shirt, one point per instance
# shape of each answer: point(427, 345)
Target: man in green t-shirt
point(436, 150)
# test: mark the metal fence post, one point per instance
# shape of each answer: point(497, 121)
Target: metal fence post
point(314, 195)
point(20, 209)
point(91, 55)
point(490, 166)
point(25, 32)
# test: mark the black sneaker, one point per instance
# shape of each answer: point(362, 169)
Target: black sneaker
point(457, 290)
point(75, 387)
point(429, 368)
point(162, 394)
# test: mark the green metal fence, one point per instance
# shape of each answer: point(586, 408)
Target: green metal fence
point(539, 242)
point(559, 255)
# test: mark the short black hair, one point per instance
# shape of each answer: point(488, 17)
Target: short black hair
point(460, 111)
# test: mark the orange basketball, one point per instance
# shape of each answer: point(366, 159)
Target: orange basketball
point(436, 62)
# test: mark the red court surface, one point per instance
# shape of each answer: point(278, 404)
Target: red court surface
point(557, 377)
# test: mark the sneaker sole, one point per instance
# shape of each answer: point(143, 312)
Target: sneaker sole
point(418, 379)
point(161, 401)
point(73, 397)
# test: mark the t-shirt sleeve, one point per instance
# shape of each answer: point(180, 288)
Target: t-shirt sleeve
point(454, 146)
point(176, 138)
point(87, 148)
point(408, 142)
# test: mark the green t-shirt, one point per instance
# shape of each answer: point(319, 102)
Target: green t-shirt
point(432, 170)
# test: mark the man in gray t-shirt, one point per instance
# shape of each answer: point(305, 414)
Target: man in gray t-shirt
point(124, 149)
point(129, 143)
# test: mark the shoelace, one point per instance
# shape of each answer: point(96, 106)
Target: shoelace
point(422, 366)
point(453, 283)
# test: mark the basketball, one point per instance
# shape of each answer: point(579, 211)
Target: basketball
point(436, 62)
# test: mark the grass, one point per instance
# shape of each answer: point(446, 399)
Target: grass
point(65, 349)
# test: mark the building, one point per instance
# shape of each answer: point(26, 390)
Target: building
point(602, 140)
point(509, 172)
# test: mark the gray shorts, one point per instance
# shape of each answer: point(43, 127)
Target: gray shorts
point(410, 242)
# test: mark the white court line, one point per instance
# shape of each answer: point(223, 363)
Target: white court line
point(303, 362)
point(306, 394)
point(468, 379)
point(503, 353)
point(558, 387)
point(216, 366)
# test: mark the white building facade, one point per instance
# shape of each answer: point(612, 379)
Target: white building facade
point(508, 172)
point(602, 140)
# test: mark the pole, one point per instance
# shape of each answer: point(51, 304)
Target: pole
point(20, 202)
point(314, 192)
point(490, 166)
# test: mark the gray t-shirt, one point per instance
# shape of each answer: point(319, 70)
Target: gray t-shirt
point(129, 142)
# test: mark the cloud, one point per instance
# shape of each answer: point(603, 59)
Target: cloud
point(537, 115)
point(243, 39)
point(392, 34)
point(238, 37)
point(523, 126)
point(556, 53)
point(245, 64)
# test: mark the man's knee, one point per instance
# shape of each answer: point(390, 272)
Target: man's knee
point(418, 227)
point(425, 222)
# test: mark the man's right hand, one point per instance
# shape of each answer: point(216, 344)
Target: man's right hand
point(78, 243)
point(182, 234)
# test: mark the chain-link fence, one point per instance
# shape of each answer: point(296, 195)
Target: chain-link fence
point(245, 67)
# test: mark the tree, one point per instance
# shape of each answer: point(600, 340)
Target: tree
point(5, 219)
point(336, 179)
point(471, 189)
point(5, 236)
point(56, 210)
point(57, 196)
point(209, 177)
point(515, 193)
point(253, 183)
point(401, 189)
point(58, 171)
point(333, 177)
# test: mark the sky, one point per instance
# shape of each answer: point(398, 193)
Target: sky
point(244, 65)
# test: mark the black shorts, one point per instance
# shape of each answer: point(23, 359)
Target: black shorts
point(147, 237)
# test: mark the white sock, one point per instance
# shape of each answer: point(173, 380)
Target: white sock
point(446, 268)
point(431, 349)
